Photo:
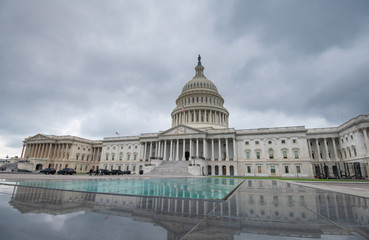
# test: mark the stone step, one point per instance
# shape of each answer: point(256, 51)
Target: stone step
point(171, 168)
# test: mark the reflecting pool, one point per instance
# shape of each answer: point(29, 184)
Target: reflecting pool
point(202, 188)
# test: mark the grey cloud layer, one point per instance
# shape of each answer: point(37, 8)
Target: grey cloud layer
point(91, 69)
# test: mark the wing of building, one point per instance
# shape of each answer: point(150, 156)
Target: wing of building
point(200, 142)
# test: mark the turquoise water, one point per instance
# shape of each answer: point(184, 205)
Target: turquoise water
point(201, 188)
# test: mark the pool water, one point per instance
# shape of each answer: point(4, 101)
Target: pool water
point(201, 188)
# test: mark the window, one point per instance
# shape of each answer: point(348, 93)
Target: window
point(269, 142)
point(134, 157)
point(107, 156)
point(120, 156)
point(257, 155)
point(112, 157)
point(247, 143)
point(256, 142)
point(248, 169)
point(294, 141)
point(272, 169)
point(259, 169)
point(247, 155)
point(261, 199)
point(355, 152)
point(271, 154)
point(352, 137)
point(298, 169)
point(77, 157)
point(83, 157)
point(286, 169)
point(114, 148)
point(283, 141)
point(285, 154)
point(128, 156)
point(296, 153)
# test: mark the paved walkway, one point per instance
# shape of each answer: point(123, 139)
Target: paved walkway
point(354, 188)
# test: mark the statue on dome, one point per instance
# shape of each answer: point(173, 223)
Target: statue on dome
point(199, 58)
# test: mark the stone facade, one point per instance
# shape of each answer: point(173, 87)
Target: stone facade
point(49, 151)
point(201, 136)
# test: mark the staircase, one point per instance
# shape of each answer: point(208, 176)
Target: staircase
point(177, 168)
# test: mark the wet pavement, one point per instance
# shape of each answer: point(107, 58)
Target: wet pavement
point(258, 209)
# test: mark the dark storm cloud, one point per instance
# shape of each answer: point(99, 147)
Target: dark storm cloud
point(307, 27)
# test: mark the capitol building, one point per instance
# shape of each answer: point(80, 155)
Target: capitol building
point(200, 142)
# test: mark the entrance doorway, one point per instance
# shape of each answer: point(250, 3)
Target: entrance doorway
point(187, 155)
point(224, 170)
point(209, 170)
point(39, 166)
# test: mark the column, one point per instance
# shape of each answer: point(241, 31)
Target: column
point(43, 150)
point(177, 150)
point(204, 148)
point(145, 150)
point(234, 150)
point(165, 150)
point(317, 147)
point(184, 150)
point(159, 149)
point(22, 151)
point(171, 151)
point(190, 149)
point(150, 150)
point(49, 152)
point(366, 141)
point(326, 149)
point(335, 148)
point(197, 147)
point(212, 150)
point(36, 152)
point(156, 149)
point(219, 150)
point(227, 151)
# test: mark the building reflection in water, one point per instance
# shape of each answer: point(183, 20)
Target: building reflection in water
point(264, 207)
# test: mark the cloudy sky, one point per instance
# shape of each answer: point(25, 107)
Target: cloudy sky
point(91, 68)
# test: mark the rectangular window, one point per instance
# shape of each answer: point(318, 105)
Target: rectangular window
point(247, 155)
point(257, 155)
point(128, 156)
point(283, 141)
point(120, 156)
point(272, 169)
point(134, 157)
point(248, 169)
point(259, 169)
point(271, 154)
point(112, 157)
point(294, 141)
point(298, 169)
point(256, 142)
point(296, 154)
point(261, 199)
point(247, 143)
point(286, 169)
point(285, 154)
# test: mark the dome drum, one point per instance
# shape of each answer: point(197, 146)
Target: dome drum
point(200, 105)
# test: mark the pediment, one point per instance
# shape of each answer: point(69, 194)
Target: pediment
point(39, 137)
point(180, 130)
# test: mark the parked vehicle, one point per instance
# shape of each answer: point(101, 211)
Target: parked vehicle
point(48, 171)
point(24, 170)
point(105, 172)
point(66, 171)
point(116, 172)
point(127, 172)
